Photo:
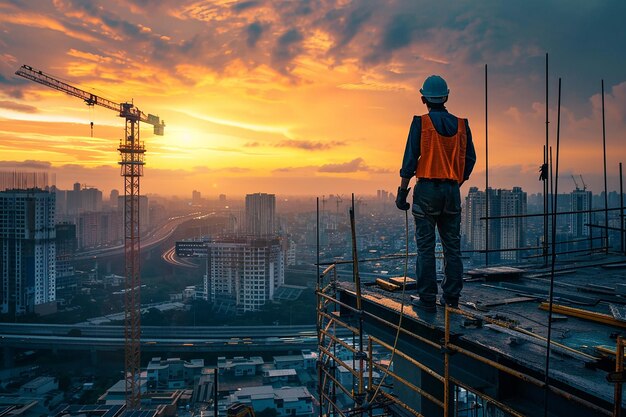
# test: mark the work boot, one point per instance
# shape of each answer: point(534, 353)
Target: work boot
point(454, 303)
point(425, 307)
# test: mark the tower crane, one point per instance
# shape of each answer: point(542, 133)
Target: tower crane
point(575, 183)
point(131, 163)
point(583, 181)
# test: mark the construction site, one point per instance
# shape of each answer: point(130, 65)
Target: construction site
point(541, 338)
point(545, 337)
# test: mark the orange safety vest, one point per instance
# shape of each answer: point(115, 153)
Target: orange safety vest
point(441, 157)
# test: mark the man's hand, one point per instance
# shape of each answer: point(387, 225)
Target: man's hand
point(401, 196)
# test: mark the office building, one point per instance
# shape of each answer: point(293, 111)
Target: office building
point(580, 200)
point(261, 214)
point(512, 231)
point(508, 233)
point(244, 271)
point(27, 251)
point(113, 198)
point(196, 198)
point(66, 245)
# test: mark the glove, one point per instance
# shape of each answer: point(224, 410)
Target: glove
point(401, 196)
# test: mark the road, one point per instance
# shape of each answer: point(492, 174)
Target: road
point(159, 338)
point(147, 242)
point(169, 256)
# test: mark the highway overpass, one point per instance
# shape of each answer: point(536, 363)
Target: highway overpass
point(241, 340)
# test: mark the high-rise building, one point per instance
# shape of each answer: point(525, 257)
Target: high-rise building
point(244, 271)
point(580, 200)
point(27, 250)
point(196, 198)
point(513, 229)
point(261, 214)
point(80, 200)
point(113, 198)
point(506, 233)
point(66, 246)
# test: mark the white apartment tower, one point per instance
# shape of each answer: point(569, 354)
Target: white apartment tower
point(261, 214)
point(244, 270)
point(27, 250)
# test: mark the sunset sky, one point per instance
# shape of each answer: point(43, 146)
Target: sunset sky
point(307, 97)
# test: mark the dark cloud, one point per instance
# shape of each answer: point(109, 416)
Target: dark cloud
point(309, 145)
point(22, 108)
point(27, 164)
point(254, 32)
point(299, 144)
point(293, 9)
point(288, 46)
point(206, 170)
point(346, 28)
point(245, 5)
point(397, 33)
point(356, 165)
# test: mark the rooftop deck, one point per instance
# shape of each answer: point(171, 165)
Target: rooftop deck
point(497, 341)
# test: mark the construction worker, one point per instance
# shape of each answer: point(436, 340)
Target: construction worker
point(440, 154)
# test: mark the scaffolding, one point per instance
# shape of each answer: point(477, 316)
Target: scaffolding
point(367, 393)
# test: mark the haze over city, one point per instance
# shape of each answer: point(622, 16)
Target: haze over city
point(308, 97)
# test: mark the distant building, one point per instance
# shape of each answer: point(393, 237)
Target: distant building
point(27, 250)
point(99, 228)
point(172, 373)
point(244, 270)
point(66, 245)
point(580, 200)
point(280, 376)
point(261, 214)
point(287, 401)
point(196, 198)
point(305, 360)
point(240, 366)
point(508, 233)
point(83, 199)
point(39, 386)
point(114, 198)
point(512, 230)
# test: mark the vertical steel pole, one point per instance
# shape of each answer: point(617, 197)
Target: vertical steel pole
point(545, 180)
point(446, 364)
point(621, 204)
point(606, 195)
point(486, 173)
point(215, 392)
point(551, 294)
point(317, 321)
point(619, 367)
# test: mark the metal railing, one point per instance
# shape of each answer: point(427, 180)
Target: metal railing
point(365, 394)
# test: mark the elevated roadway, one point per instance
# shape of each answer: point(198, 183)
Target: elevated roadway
point(170, 339)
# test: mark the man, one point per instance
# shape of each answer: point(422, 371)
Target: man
point(440, 154)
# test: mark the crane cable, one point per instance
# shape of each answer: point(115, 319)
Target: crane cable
point(395, 342)
point(91, 117)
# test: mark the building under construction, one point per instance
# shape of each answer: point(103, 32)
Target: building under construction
point(487, 358)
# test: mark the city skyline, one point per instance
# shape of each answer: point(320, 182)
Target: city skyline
point(307, 97)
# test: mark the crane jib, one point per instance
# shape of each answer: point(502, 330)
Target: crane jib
point(126, 110)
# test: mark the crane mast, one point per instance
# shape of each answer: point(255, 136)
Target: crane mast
point(132, 152)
